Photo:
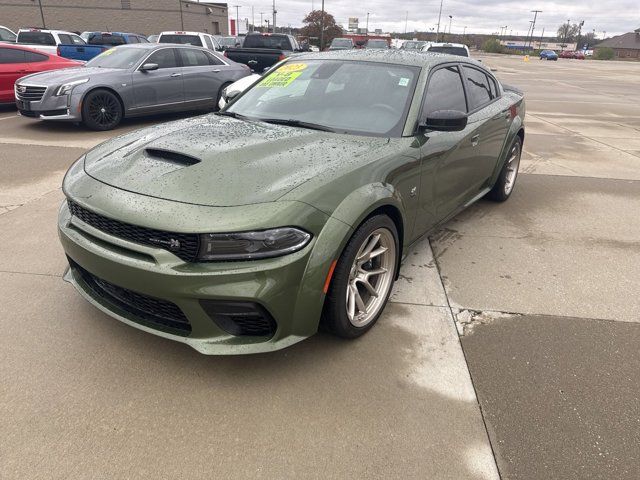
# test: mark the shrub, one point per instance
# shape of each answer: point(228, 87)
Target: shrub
point(604, 53)
point(492, 46)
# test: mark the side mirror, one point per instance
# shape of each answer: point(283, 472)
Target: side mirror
point(230, 95)
point(147, 67)
point(445, 121)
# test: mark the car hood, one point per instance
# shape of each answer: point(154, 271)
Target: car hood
point(57, 77)
point(218, 161)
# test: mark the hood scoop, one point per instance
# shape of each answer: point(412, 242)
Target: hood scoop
point(172, 157)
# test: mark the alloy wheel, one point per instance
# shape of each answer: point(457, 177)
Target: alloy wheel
point(512, 168)
point(370, 277)
point(104, 109)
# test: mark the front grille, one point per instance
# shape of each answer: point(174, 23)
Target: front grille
point(150, 311)
point(30, 94)
point(183, 245)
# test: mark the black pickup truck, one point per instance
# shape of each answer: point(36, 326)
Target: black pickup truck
point(260, 51)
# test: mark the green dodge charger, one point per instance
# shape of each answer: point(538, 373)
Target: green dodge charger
point(246, 230)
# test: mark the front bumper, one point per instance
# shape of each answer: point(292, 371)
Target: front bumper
point(49, 107)
point(288, 288)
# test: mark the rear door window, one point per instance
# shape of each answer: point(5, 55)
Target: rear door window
point(64, 38)
point(209, 43)
point(77, 40)
point(193, 58)
point(213, 60)
point(478, 88)
point(181, 39)
point(33, 57)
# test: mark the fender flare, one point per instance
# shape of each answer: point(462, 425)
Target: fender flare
point(329, 245)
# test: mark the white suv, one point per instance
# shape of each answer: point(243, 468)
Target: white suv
point(197, 39)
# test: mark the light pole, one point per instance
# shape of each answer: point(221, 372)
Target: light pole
point(406, 19)
point(261, 22)
point(450, 20)
point(267, 22)
point(579, 34)
point(179, 3)
point(464, 32)
point(237, 7)
point(367, 28)
point(253, 20)
point(274, 16)
point(439, 16)
point(322, 27)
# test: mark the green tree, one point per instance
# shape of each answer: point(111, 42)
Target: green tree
point(312, 27)
point(604, 53)
point(492, 46)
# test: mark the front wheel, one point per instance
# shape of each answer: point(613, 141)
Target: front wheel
point(101, 110)
point(501, 191)
point(362, 279)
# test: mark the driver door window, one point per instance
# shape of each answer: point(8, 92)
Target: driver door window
point(445, 92)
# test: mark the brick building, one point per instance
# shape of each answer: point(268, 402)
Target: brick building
point(140, 16)
point(626, 47)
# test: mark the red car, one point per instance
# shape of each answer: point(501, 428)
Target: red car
point(17, 61)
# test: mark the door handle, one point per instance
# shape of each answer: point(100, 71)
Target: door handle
point(217, 70)
point(176, 75)
point(474, 140)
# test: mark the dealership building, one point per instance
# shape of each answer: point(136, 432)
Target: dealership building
point(626, 47)
point(140, 16)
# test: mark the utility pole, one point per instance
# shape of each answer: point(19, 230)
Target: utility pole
point(579, 34)
point(253, 20)
point(464, 32)
point(237, 7)
point(322, 27)
point(439, 16)
point(533, 25)
point(450, 20)
point(406, 19)
point(274, 16)
point(42, 14)
point(367, 28)
point(261, 22)
point(541, 37)
point(181, 16)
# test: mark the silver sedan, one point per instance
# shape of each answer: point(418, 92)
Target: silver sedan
point(128, 81)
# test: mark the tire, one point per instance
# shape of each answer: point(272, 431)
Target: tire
point(219, 96)
point(101, 110)
point(505, 184)
point(376, 232)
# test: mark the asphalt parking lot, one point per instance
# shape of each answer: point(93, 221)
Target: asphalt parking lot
point(510, 349)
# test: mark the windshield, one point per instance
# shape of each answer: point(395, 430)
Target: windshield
point(377, 44)
point(181, 39)
point(228, 41)
point(122, 58)
point(266, 41)
point(341, 42)
point(459, 51)
point(413, 45)
point(362, 98)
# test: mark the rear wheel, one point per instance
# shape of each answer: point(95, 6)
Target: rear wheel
point(101, 110)
point(507, 178)
point(362, 279)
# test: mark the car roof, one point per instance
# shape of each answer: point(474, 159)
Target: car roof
point(180, 32)
point(157, 46)
point(447, 44)
point(391, 56)
point(45, 31)
point(19, 46)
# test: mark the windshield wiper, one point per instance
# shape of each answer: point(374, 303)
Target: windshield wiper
point(297, 123)
point(234, 115)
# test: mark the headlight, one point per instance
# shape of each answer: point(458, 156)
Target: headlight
point(252, 245)
point(67, 87)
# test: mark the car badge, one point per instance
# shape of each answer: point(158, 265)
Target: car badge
point(22, 89)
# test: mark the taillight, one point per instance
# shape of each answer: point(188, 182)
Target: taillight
point(281, 57)
point(224, 53)
point(58, 51)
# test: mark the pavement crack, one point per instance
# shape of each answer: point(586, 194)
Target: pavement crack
point(467, 320)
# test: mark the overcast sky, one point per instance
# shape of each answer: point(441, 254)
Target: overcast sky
point(481, 16)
